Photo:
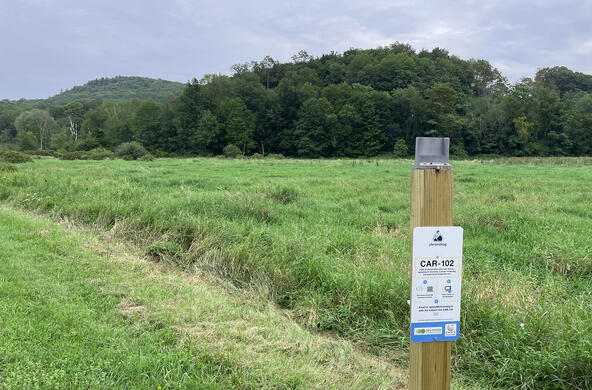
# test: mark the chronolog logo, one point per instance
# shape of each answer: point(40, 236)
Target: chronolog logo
point(437, 239)
point(437, 236)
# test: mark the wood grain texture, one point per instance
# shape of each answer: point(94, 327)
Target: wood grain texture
point(431, 205)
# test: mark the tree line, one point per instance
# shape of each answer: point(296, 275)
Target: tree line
point(351, 104)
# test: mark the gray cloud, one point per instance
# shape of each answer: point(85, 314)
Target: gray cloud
point(53, 44)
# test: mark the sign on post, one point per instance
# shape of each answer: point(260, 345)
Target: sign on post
point(436, 283)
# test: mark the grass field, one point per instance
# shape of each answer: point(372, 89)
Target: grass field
point(328, 241)
point(82, 311)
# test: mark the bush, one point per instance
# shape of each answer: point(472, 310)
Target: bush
point(147, 157)
point(161, 154)
point(46, 152)
point(401, 150)
point(257, 156)
point(276, 156)
point(130, 150)
point(231, 151)
point(4, 167)
point(458, 151)
point(13, 157)
point(100, 154)
point(78, 155)
point(88, 144)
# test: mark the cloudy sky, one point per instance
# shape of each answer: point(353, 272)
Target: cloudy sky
point(48, 45)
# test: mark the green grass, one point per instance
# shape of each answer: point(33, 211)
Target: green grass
point(329, 241)
point(80, 312)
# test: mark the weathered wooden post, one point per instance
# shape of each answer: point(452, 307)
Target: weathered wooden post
point(436, 257)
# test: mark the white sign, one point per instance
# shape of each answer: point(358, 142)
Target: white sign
point(436, 283)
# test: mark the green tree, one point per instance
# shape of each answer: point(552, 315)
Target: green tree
point(395, 71)
point(367, 139)
point(38, 122)
point(578, 124)
point(338, 94)
point(231, 151)
point(239, 124)
point(191, 104)
point(409, 110)
point(312, 128)
point(26, 140)
point(547, 117)
point(401, 150)
point(110, 124)
point(348, 121)
point(295, 89)
point(208, 134)
point(146, 124)
point(441, 102)
point(486, 80)
point(74, 113)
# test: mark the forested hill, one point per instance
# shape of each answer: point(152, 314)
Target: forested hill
point(361, 102)
point(118, 89)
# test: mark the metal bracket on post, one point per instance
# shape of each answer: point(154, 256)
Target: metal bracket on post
point(432, 153)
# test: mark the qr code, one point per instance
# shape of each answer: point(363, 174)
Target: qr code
point(430, 289)
point(450, 330)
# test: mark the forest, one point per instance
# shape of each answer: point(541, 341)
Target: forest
point(359, 103)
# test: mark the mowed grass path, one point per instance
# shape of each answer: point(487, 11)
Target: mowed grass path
point(329, 241)
point(77, 312)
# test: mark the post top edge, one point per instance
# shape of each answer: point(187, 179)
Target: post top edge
point(432, 152)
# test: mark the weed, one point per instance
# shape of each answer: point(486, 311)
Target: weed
point(284, 195)
point(4, 167)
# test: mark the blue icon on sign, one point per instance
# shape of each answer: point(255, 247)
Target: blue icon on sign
point(425, 282)
point(448, 281)
point(435, 301)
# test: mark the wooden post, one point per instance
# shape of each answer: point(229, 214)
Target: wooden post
point(431, 205)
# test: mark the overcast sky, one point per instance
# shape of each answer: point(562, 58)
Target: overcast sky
point(48, 45)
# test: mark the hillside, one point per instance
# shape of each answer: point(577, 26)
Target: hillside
point(119, 88)
point(361, 102)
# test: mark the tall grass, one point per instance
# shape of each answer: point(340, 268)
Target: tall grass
point(329, 240)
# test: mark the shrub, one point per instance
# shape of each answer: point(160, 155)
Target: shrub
point(99, 154)
point(161, 154)
point(231, 151)
point(88, 144)
point(78, 155)
point(130, 150)
point(276, 156)
point(401, 150)
point(257, 156)
point(13, 157)
point(458, 151)
point(46, 152)
point(4, 167)
point(147, 157)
